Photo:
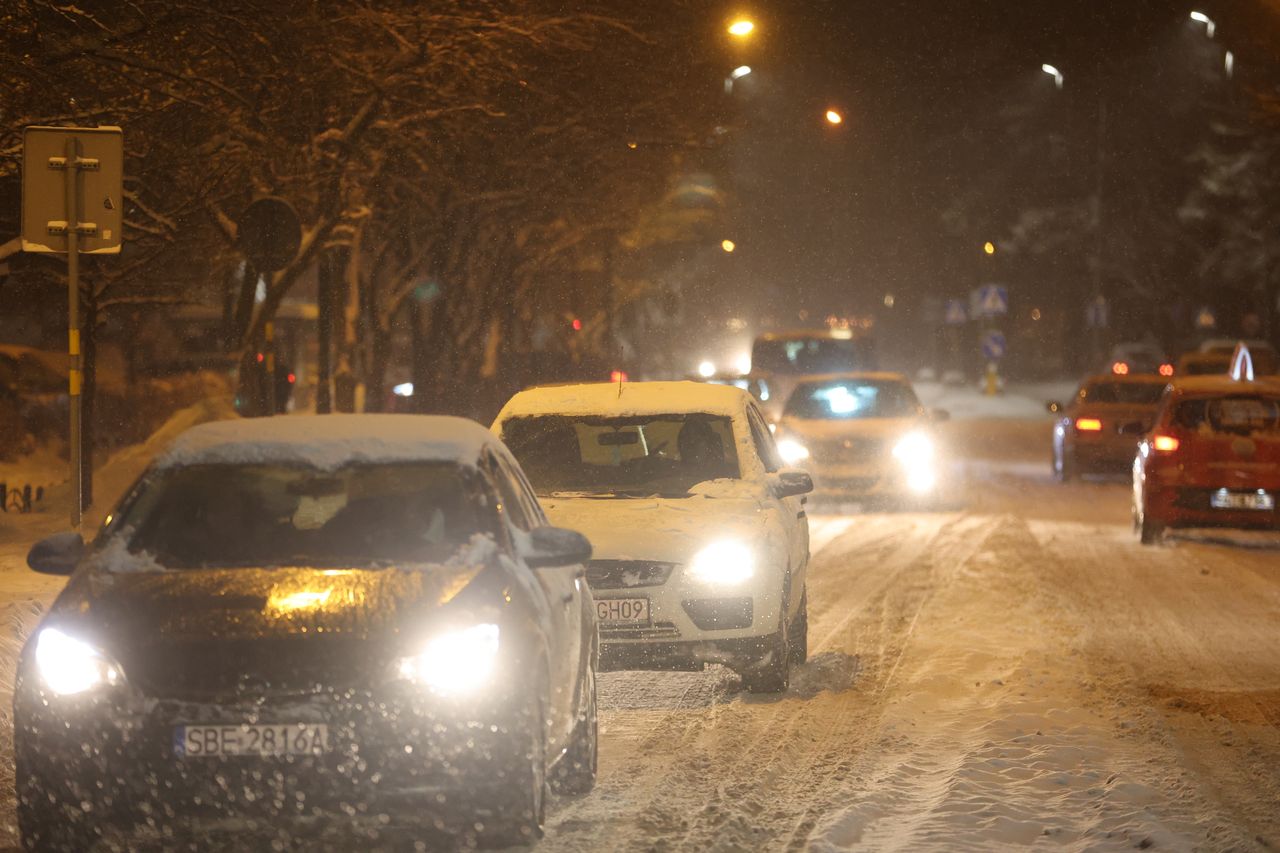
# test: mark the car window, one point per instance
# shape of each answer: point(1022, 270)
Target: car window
point(766, 447)
point(1236, 415)
point(222, 516)
point(523, 492)
point(852, 399)
point(629, 456)
point(513, 503)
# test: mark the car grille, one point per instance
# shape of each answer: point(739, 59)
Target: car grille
point(656, 631)
point(625, 574)
point(203, 670)
point(846, 450)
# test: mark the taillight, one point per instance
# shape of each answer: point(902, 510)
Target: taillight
point(1120, 368)
point(1164, 443)
point(1088, 424)
point(1166, 370)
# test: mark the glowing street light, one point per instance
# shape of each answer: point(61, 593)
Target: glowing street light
point(728, 245)
point(834, 117)
point(989, 247)
point(1202, 18)
point(1054, 73)
point(740, 72)
point(742, 27)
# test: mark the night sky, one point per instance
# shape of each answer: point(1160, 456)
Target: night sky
point(843, 216)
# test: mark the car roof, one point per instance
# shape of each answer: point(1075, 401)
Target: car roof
point(1230, 343)
point(328, 441)
point(872, 375)
point(1127, 378)
point(801, 334)
point(627, 398)
point(1224, 385)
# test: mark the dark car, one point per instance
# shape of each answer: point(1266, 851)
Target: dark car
point(291, 625)
point(1098, 431)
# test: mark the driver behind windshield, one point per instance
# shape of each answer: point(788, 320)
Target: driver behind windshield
point(641, 456)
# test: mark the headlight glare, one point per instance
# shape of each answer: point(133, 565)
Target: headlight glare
point(913, 448)
point(68, 666)
point(456, 663)
point(792, 451)
point(726, 563)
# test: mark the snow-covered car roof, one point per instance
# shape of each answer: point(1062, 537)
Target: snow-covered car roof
point(328, 441)
point(1127, 379)
point(869, 375)
point(633, 398)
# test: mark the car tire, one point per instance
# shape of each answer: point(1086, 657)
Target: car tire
point(1149, 532)
point(772, 674)
point(575, 772)
point(1067, 469)
point(799, 638)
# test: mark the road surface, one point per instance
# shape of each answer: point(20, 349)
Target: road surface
point(1012, 669)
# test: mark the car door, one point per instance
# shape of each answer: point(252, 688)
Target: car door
point(563, 591)
point(792, 510)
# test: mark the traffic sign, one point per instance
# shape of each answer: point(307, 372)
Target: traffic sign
point(993, 300)
point(993, 345)
point(95, 156)
point(269, 233)
point(956, 315)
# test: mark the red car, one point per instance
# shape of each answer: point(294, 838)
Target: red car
point(1212, 459)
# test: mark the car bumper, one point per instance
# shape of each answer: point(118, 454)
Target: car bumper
point(1189, 506)
point(114, 764)
point(1104, 456)
point(870, 482)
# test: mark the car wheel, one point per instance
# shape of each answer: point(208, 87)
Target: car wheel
point(1150, 532)
point(1067, 470)
point(516, 813)
point(575, 772)
point(772, 673)
point(799, 638)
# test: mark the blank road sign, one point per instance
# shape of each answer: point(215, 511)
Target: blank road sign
point(44, 194)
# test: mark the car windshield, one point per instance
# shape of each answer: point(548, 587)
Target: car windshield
point(1237, 415)
point(1127, 393)
point(639, 456)
point(811, 355)
point(220, 516)
point(852, 399)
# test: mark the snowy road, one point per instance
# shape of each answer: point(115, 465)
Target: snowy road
point(1012, 670)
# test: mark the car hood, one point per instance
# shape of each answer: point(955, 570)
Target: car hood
point(668, 530)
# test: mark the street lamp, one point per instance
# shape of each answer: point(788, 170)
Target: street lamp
point(1202, 18)
point(741, 28)
point(728, 246)
point(1054, 73)
point(834, 117)
point(735, 75)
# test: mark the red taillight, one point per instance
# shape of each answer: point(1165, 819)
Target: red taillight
point(1120, 368)
point(1164, 443)
point(1166, 370)
point(1088, 424)
point(618, 376)
point(292, 377)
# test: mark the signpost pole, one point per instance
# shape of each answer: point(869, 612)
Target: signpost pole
point(70, 171)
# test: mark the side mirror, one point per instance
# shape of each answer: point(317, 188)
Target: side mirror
point(551, 547)
point(791, 482)
point(1053, 408)
point(59, 554)
point(939, 415)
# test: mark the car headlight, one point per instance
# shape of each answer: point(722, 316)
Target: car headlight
point(455, 663)
point(792, 451)
point(723, 563)
point(914, 447)
point(915, 451)
point(68, 666)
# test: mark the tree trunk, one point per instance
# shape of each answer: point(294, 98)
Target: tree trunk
point(324, 335)
point(344, 379)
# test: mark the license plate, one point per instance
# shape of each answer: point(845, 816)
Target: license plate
point(255, 740)
point(627, 610)
point(1242, 500)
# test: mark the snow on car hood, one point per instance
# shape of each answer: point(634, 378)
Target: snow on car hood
point(664, 529)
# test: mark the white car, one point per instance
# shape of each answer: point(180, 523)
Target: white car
point(862, 436)
point(700, 535)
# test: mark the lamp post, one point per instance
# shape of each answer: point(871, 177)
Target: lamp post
point(1054, 73)
point(1202, 18)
